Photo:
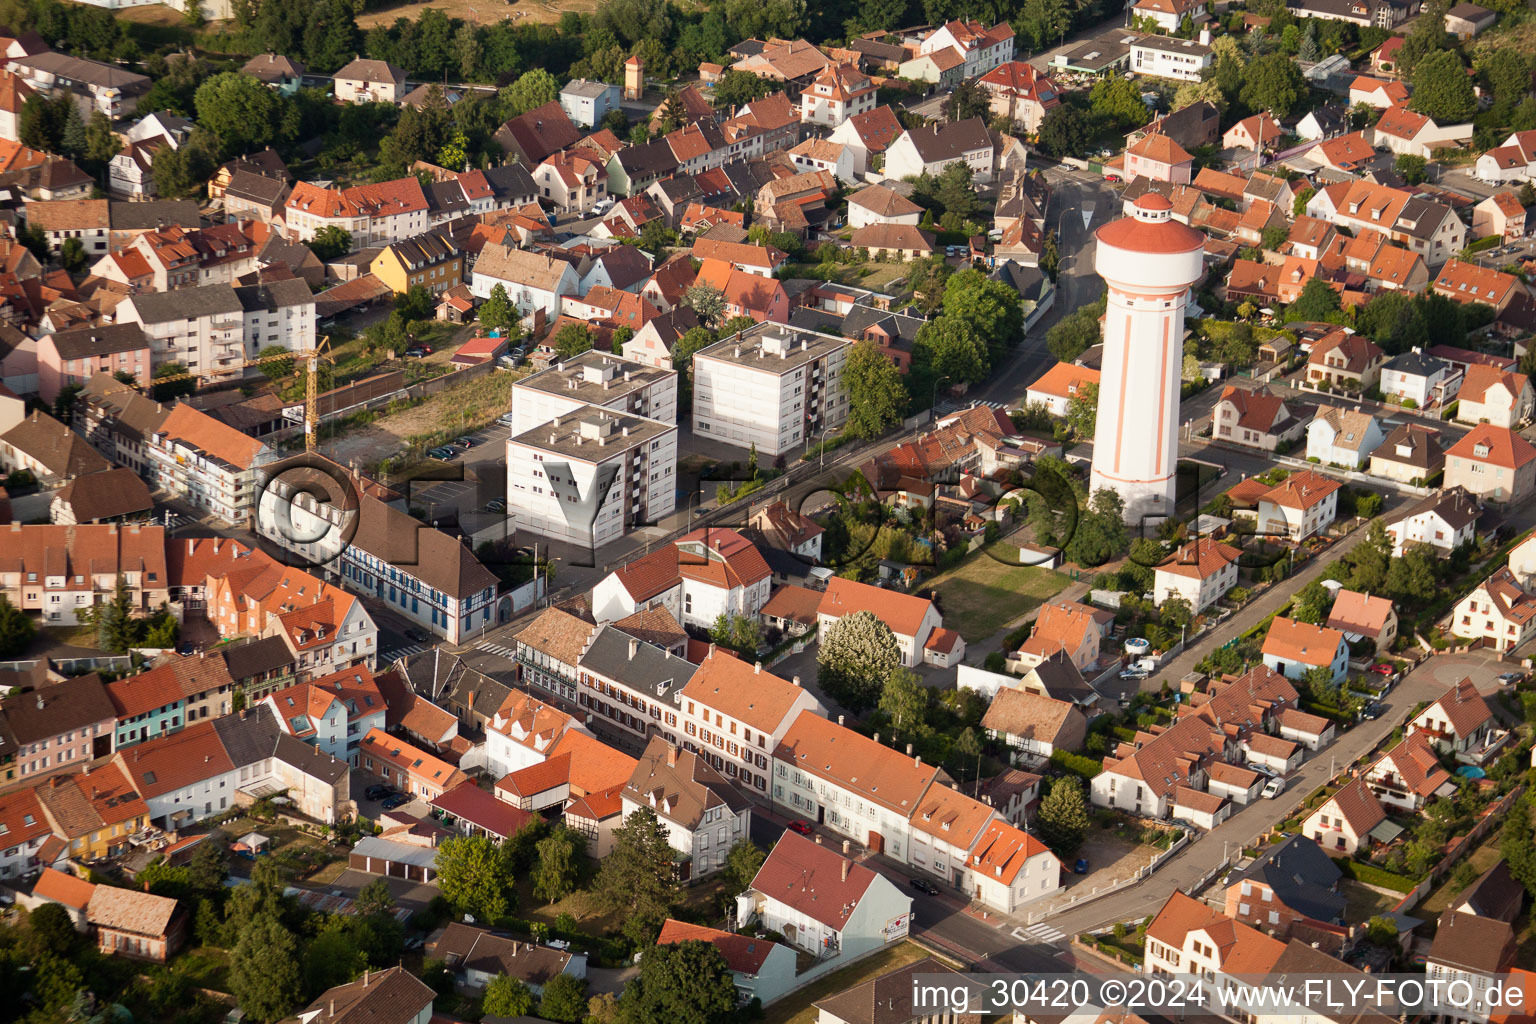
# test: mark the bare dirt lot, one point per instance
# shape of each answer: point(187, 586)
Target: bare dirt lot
point(457, 410)
point(479, 12)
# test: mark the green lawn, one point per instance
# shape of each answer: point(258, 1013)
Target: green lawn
point(1363, 903)
point(983, 595)
point(797, 1008)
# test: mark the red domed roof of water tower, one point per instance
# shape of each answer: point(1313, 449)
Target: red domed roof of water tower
point(1151, 229)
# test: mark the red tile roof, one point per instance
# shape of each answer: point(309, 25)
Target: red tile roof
point(1003, 850)
point(870, 770)
point(1302, 642)
point(743, 954)
point(813, 880)
point(1491, 445)
point(903, 613)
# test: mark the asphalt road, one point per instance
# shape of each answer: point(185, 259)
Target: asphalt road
point(1074, 195)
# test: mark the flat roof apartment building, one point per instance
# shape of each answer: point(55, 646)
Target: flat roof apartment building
point(772, 386)
point(592, 475)
point(597, 379)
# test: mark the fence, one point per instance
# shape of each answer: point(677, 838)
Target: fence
point(1348, 475)
point(1460, 846)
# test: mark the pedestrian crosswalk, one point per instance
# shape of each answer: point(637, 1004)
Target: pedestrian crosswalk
point(499, 649)
point(1041, 933)
point(391, 656)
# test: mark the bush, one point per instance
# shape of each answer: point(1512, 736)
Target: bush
point(1083, 767)
point(1370, 874)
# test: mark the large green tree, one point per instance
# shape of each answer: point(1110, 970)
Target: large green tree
point(264, 974)
point(877, 395)
point(856, 656)
point(1317, 301)
point(904, 700)
point(1441, 88)
point(564, 999)
point(554, 877)
point(638, 876)
point(475, 877)
point(1063, 816)
point(240, 110)
point(16, 629)
point(1118, 101)
point(1273, 82)
point(507, 996)
point(682, 983)
point(331, 242)
point(532, 89)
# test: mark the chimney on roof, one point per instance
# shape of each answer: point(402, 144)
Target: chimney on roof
point(846, 865)
point(634, 647)
point(757, 668)
point(877, 737)
point(711, 650)
point(818, 839)
point(839, 717)
point(796, 681)
point(909, 750)
point(671, 756)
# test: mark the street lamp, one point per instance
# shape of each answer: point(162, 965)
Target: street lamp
point(935, 400)
point(823, 443)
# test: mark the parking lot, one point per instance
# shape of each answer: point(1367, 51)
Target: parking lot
point(483, 479)
point(1514, 252)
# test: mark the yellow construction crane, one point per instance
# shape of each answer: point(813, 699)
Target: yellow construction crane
point(310, 358)
point(312, 390)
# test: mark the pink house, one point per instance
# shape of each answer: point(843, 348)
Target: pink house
point(1160, 158)
point(76, 355)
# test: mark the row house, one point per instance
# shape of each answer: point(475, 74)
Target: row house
point(333, 713)
point(981, 48)
point(24, 828)
point(734, 715)
point(390, 211)
point(703, 814)
point(94, 813)
point(61, 726)
point(1428, 228)
point(631, 688)
point(201, 328)
point(422, 573)
point(74, 356)
point(56, 571)
point(407, 768)
point(266, 759)
point(855, 786)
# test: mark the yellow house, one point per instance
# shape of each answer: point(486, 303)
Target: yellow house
point(430, 260)
point(93, 812)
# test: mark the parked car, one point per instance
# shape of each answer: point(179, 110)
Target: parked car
point(1135, 673)
point(504, 420)
point(496, 505)
point(1081, 867)
point(1511, 678)
point(1372, 711)
point(417, 352)
point(421, 636)
point(465, 442)
point(923, 885)
point(399, 799)
point(377, 792)
point(1262, 769)
point(800, 827)
point(1274, 787)
point(1383, 669)
point(445, 453)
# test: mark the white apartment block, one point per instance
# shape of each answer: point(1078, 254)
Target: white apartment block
point(279, 313)
point(596, 379)
point(1182, 60)
point(772, 386)
point(201, 328)
point(592, 475)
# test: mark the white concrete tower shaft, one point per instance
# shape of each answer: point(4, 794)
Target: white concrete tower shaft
point(1149, 261)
